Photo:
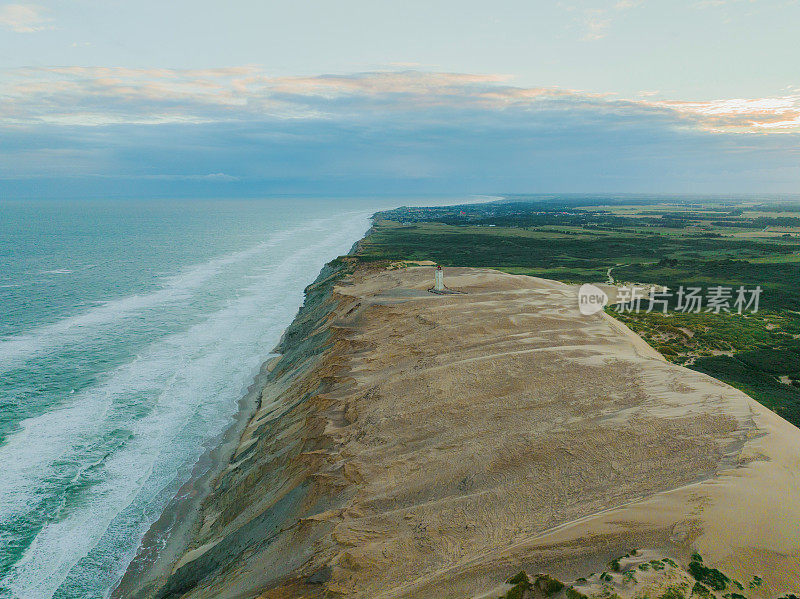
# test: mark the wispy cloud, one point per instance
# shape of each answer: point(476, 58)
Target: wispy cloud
point(597, 24)
point(718, 3)
point(103, 96)
point(81, 95)
point(24, 18)
point(710, 3)
point(161, 131)
point(744, 115)
point(596, 20)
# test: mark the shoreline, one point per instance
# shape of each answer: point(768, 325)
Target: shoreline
point(171, 534)
point(281, 504)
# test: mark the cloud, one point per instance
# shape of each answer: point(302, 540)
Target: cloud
point(103, 96)
point(710, 3)
point(24, 18)
point(625, 4)
point(596, 21)
point(238, 130)
point(557, 148)
point(597, 24)
point(768, 115)
point(701, 4)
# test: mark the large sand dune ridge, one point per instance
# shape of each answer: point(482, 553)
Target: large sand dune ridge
point(440, 443)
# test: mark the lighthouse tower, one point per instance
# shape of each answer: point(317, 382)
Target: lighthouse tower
point(438, 279)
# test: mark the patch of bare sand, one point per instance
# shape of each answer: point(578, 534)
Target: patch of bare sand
point(461, 438)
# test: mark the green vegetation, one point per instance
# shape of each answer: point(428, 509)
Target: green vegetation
point(545, 585)
point(519, 578)
point(648, 241)
point(579, 244)
point(573, 594)
point(711, 577)
point(709, 583)
point(701, 590)
point(548, 585)
point(518, 592)
point(673, 593)
point(521, 584)
point(757, 353)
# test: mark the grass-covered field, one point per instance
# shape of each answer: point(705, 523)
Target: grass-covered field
point(646, 242)
point(757, 353)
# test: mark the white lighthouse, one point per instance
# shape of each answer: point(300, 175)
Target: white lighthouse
point(438, 279)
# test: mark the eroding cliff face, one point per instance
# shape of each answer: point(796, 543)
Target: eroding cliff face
point(252, 521)
point(415, 445)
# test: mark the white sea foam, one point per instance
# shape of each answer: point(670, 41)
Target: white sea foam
point(17, 349)
point(121, 441)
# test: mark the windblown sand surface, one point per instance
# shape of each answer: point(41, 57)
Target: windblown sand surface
point(435, 445)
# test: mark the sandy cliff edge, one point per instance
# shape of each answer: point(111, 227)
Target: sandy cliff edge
point(415, 445)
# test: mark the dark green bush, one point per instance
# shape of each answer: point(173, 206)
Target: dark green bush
point(548, 585)
point(708, 576)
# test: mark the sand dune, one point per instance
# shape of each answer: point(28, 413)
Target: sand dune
point(435, 445)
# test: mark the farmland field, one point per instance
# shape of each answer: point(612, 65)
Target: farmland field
point(672, 243)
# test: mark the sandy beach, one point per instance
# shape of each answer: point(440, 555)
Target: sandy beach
point(409, 444)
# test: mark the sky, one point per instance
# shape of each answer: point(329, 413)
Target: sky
point(360, 97)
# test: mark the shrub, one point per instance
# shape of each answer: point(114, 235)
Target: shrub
point(519, 578)
point(709, 576)
point(516, 593)
point(573, 594)
point(548, 585)
point(670, 562)
point(672, 593)
point(521, 584)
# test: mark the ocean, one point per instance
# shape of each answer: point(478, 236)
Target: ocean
point(129, 331)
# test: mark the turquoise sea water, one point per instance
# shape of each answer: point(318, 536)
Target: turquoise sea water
point(129, 330)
